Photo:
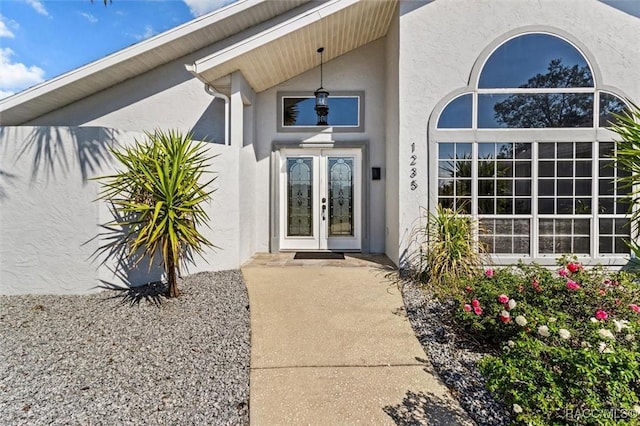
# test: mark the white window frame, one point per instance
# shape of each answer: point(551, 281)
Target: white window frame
point(535, 136)
point(359, 95)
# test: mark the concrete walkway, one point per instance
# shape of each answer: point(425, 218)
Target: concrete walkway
point(331, 345)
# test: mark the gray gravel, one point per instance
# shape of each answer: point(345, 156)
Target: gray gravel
point(92, 360)
point(454, 358)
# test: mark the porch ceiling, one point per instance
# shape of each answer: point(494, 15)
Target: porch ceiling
point(289, 49)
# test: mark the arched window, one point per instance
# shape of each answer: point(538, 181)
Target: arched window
point(524, 150)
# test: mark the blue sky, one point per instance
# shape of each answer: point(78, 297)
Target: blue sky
point(40, 39)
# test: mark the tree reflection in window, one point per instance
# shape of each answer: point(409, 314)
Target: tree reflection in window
point(539, 110)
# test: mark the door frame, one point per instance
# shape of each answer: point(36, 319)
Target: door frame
point(276, 196)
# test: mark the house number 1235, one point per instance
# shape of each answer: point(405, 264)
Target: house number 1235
point(413, 161)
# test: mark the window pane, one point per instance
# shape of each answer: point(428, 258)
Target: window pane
point(523, 206)
point(523, 169)
point(463, 150)
point(535, 60)
point(446, 169)
point(546, 187)
point(343, 111)
point(606, 226)
point(606, 168)
point(583, 168)
point(445, 151)
point(504, 187)
point(565, 168)
point(605, 206)
point(565, 187)
point(523, 150)
point(605, 245)
point(504, 206)
point(621, 246)
point(504, 169)
point(546, 168)
point(463, 188)
point(583, 206)
point(564, 150)
point(583, 187)
point(523, 187)
point(445, 187)
point(486, 206)
point(504, 226)
point(564, 206)
point(610, 105)
point(503, 245)
point(547, 150)
point(457, 114)
point(486, 168)
point(622, 227)
point(581, 245)
point(535, 110)
point(485, 188)
point(606, 149)
point(546, 205)
point(583, 150)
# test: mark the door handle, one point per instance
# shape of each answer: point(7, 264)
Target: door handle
point(324, 208)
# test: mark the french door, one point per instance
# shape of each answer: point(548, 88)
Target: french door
point(320, 199)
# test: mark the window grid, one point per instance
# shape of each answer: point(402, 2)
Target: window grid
point(612, 203)
point(539, 230)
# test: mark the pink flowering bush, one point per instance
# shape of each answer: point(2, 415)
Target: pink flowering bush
point(566, 340)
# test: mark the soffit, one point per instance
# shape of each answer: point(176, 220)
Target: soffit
point(140, 58)
point(289, 49)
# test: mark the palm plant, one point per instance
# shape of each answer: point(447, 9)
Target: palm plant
point(157, 199)
point(627, 159)
point(450, 254)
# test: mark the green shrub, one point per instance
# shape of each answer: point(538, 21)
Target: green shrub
point(449, 252)
point(566, 341)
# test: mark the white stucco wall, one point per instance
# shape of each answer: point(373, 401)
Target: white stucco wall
point(360, 70)
point(392, 242)
point(49, 219)
point(168, 97)
point(441, 40)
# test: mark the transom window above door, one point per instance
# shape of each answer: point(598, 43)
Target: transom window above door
point(296, 112)
point(525, 150)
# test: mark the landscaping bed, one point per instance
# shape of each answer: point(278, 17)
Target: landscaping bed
point(96, 360)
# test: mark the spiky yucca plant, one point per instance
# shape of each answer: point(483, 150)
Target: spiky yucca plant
point(450, 254)
point(157, 198)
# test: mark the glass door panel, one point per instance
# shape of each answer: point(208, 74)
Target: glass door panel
point(299, 197)
point(340, 171)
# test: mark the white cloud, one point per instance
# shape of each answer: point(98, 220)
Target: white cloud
point(200, 7)
point(38, 7)
point(5, 23)
point(16, 76)
point(148, 32)
point(89, 17)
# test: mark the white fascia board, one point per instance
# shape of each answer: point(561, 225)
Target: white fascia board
point(267, 36)
point(127, 53)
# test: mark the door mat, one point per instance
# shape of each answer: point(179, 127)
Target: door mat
point(318, 255)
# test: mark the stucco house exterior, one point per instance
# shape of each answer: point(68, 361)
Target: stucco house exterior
point(497, 107)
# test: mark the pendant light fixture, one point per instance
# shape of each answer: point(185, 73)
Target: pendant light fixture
point(322, 98)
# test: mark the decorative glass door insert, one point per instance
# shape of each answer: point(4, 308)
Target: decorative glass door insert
point(320, 199)
point(299, 196)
